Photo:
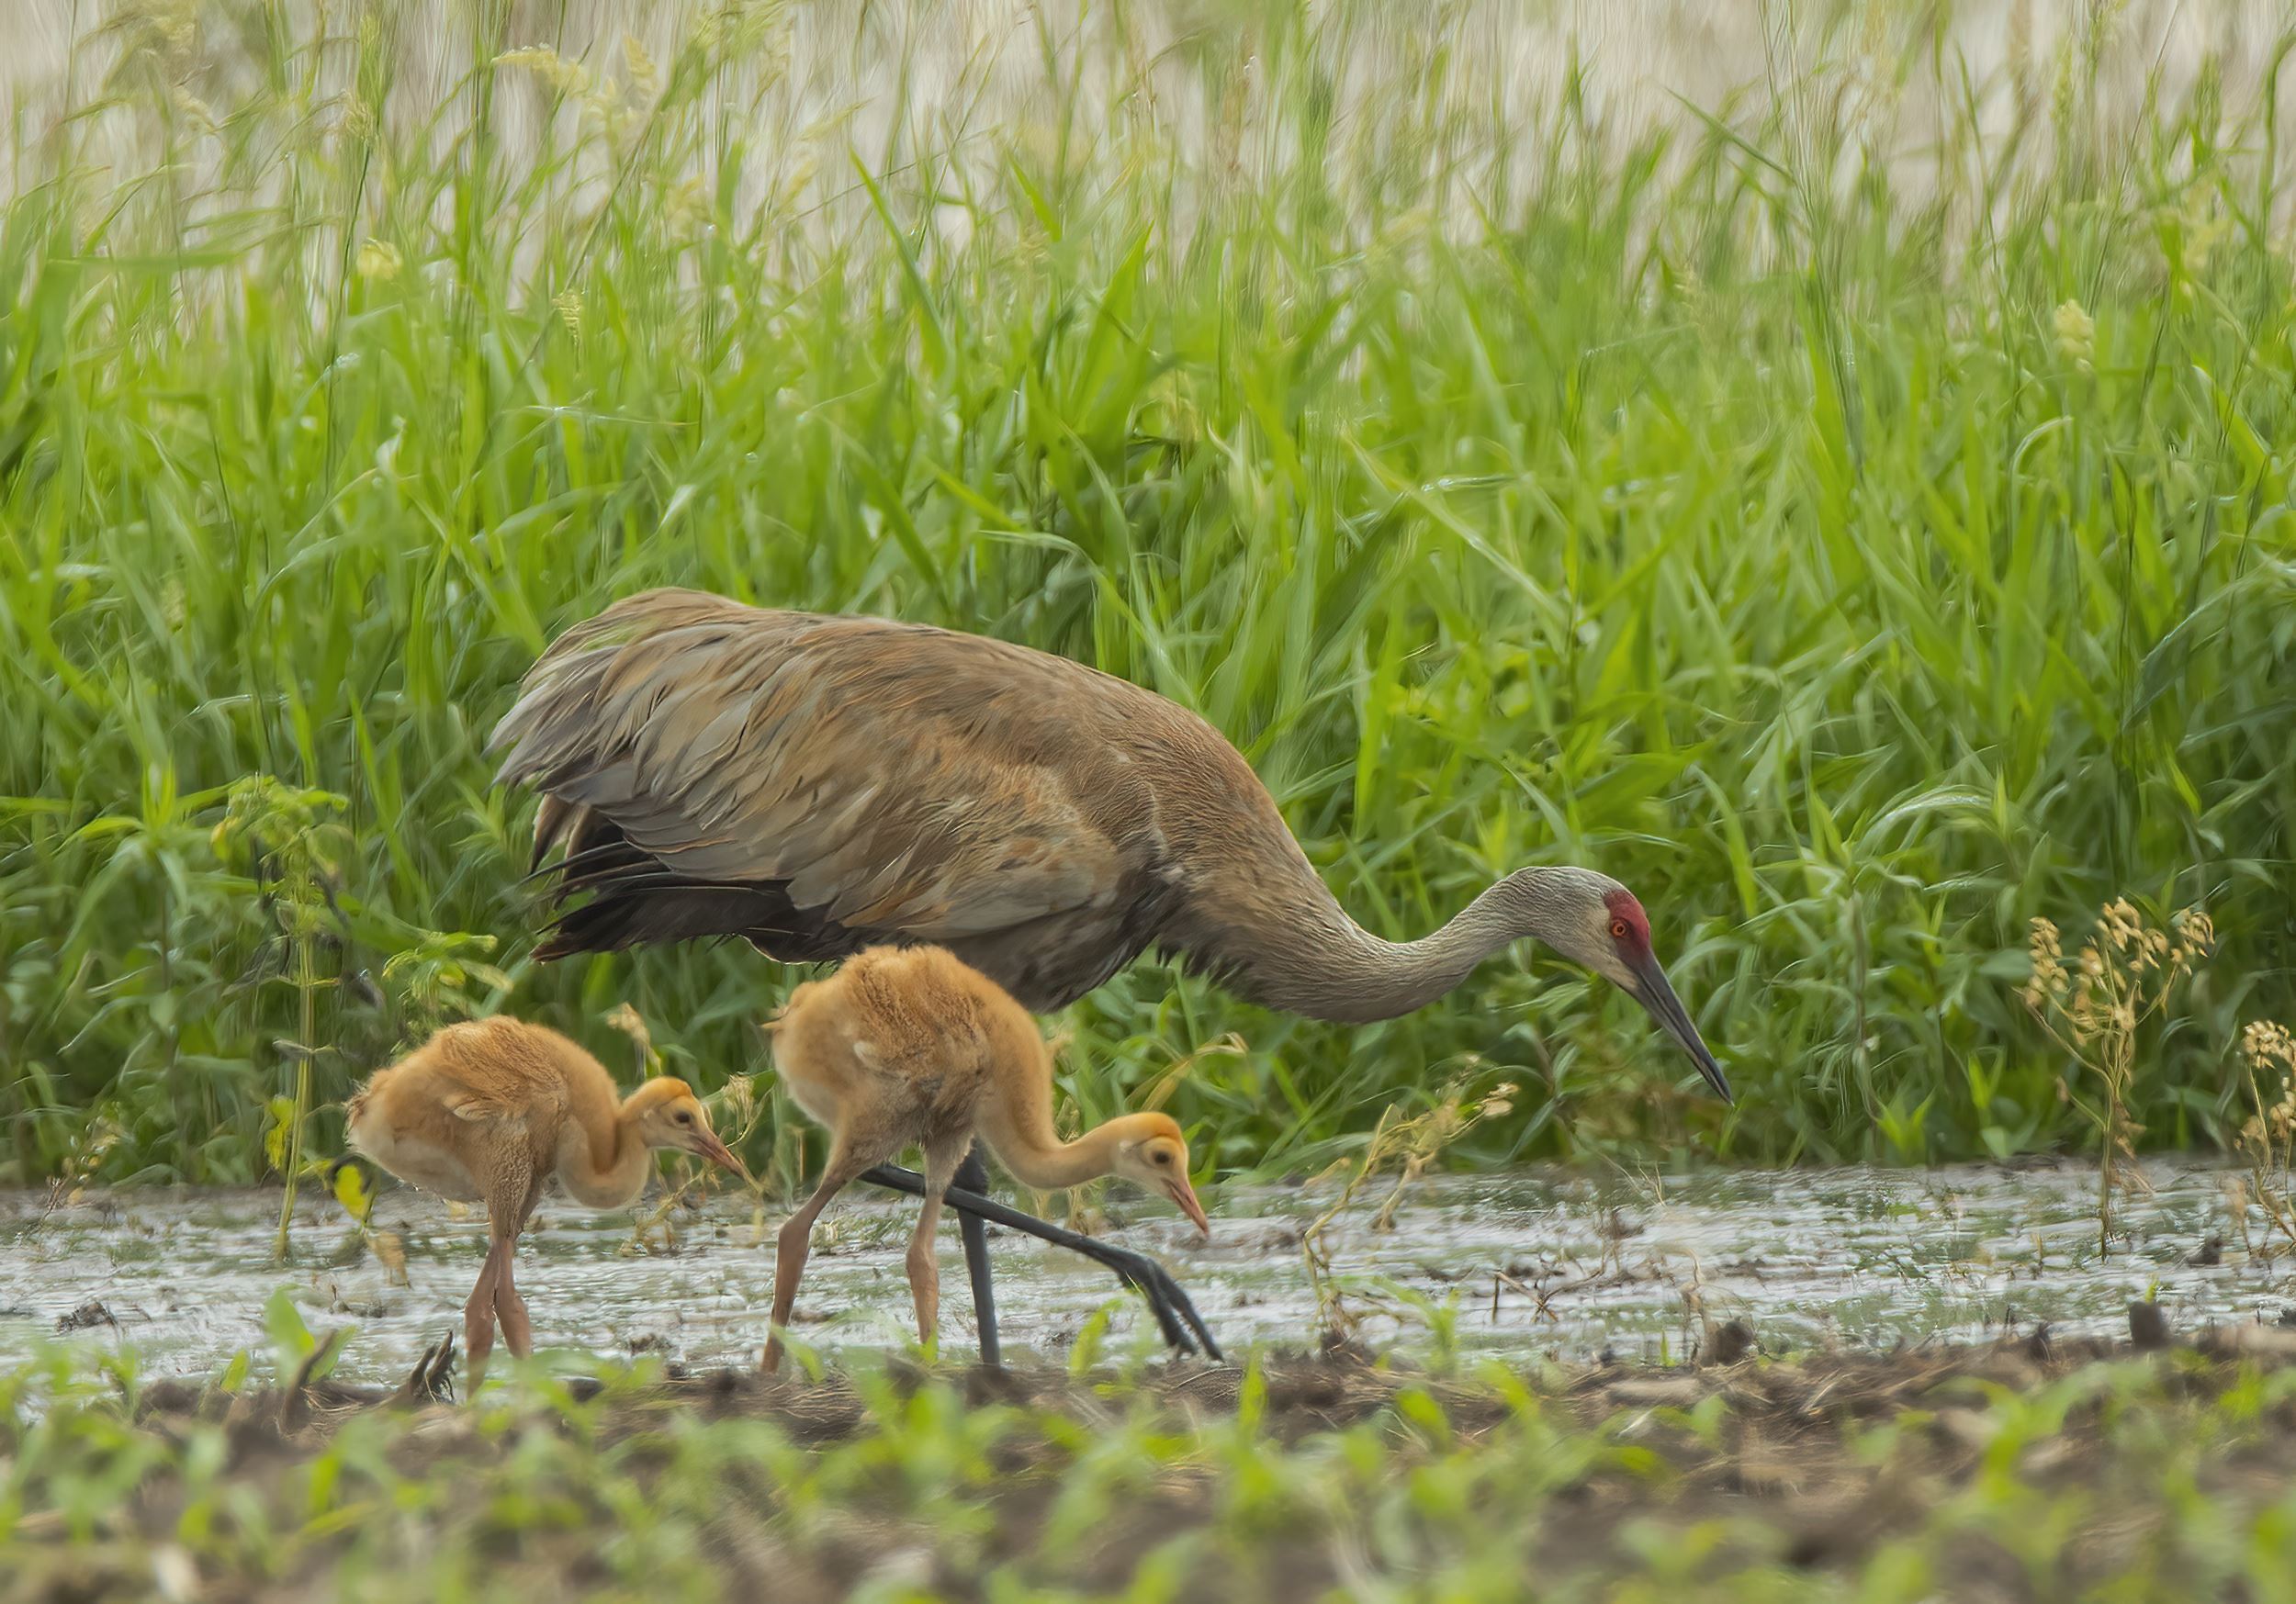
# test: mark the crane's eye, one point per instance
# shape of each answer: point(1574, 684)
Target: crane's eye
point(1618, 929)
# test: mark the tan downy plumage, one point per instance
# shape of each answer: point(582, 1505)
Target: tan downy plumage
point(911, 1047)
point(492, 1110)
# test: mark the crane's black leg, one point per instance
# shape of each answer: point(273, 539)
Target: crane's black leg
point(973, 1176)
point(1183, 1328)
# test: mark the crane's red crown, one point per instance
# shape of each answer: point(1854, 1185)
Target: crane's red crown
point(1629, 926)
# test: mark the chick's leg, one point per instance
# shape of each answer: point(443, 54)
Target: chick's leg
point(794, 1243)
point(478, 1316)
point(941, 1167)
point(518, 1332)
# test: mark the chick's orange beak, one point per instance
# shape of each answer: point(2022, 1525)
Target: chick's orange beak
point(1181, 1193)
point(705, 1143)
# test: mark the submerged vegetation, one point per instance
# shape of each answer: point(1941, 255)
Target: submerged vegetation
point(1859, 556)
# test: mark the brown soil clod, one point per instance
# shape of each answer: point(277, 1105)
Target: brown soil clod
point(1730, 1342)
point(89, 1314)
point(2148, 1326)
point(2248, 1339)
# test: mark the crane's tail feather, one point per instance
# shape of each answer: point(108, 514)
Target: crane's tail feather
point(584, 862)
point(634, 899)
point(618, 917)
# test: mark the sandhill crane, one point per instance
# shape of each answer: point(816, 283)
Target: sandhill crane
point(489, 1111)
point(911, 1046)
point(817, 785)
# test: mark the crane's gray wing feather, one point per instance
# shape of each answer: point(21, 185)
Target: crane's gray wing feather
point(841, 761)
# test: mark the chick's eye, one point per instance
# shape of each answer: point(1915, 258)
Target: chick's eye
point(1159, 1157)
point(684, 1118)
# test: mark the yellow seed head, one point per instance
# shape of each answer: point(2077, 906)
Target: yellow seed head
point(644, 77)
point(378, 259)
point(2198, 930)
point(2077, 334)
point(568, 77)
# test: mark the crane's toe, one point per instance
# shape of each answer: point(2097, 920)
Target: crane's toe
point(1183, 1328)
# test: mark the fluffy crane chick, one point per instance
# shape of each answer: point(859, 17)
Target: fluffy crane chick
point(911, 1047)
point(488, 1112)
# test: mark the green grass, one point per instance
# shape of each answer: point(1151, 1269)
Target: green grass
point(1647, 498)
point(2118, 1479)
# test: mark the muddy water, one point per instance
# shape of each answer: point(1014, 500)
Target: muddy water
point(1538, 1262)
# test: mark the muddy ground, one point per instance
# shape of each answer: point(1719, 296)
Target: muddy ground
point(1823, 1475)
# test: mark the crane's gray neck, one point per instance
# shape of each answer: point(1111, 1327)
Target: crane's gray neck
point(1314, 959)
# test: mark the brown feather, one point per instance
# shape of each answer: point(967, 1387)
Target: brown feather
point(815, 784)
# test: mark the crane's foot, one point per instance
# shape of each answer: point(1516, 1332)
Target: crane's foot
point(432, 1381)
point(1183, 1328)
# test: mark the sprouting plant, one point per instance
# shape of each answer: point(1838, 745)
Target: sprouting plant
point(2126, 973)
point(1409, 1143)
point(2267, 1052)
point(348, 1182)
point(287, 839)
point(433, 977)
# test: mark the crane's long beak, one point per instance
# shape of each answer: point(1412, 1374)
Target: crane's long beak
point(1655, 994)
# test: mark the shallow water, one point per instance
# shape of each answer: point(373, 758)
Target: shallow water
point(1540, 1263)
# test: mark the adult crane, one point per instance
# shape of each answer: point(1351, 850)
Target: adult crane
point(818, 784)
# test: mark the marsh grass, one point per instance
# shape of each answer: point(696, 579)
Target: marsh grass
point(1855, 566)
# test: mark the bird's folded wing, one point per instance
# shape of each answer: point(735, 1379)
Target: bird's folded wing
point(502, 1090)
point(866, 766)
